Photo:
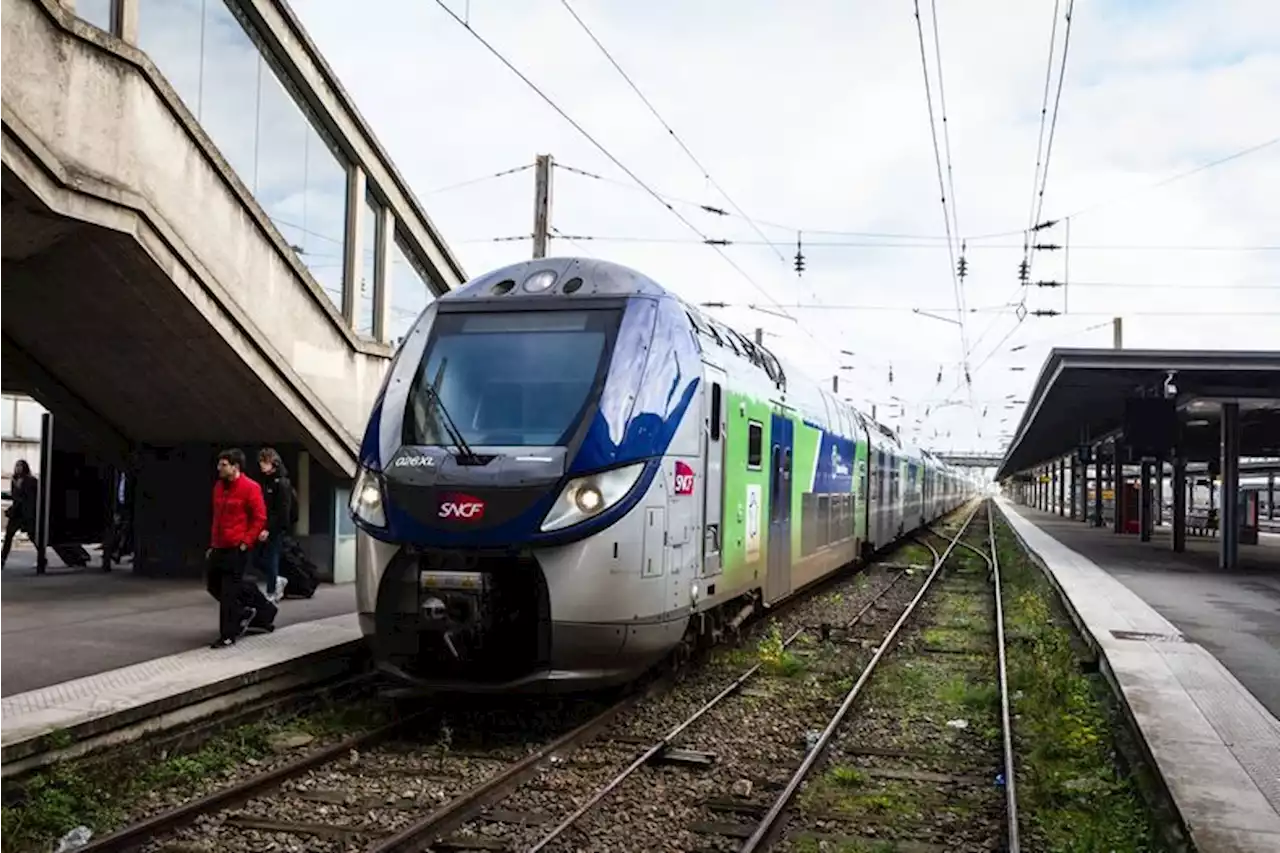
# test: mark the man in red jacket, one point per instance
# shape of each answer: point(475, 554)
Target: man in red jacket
point(239, 514)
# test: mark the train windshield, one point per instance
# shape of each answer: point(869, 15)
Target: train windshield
point(522, 379)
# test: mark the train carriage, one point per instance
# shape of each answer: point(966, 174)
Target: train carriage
point(570, 473)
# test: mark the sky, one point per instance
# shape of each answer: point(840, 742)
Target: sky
point(813, 117)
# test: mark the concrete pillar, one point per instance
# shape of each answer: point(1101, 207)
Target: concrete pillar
point(1073, 490)
point(1229, 518)
point(44, 492)
point(1159, 491)
point(1179, 503)
point(382, 275)
point(125, 24)
point(1097, 486)
point(353, 259)
point(1271, 496)
point(1117, 490)
point(303, 485)
point(1061, 487)
point(1144, 502)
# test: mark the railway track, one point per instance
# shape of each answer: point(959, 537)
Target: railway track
point(928, 761)
point(676, 791)
point(719, 744)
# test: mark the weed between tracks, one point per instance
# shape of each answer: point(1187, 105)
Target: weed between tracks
point(103, 795)
point(1072, 793)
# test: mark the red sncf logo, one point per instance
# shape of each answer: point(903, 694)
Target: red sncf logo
point(684, 479)
point(461, 507)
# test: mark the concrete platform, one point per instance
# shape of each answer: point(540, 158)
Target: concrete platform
point(1215, 744)
point(1235, 615)
point(73, 623)
point(162, 692)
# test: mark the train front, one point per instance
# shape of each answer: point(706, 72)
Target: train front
point(504, 478)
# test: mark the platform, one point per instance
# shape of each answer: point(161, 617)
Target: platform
point(72, 623)
point(1215, 744)
point(126, 703)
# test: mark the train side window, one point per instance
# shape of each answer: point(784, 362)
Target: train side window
point(755, 445)
point(715, 411)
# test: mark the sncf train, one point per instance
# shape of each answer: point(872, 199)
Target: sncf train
point(570, 474)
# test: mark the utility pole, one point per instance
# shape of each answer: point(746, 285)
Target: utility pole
point(1117, 333)
point(759, 337)
point(541, 205)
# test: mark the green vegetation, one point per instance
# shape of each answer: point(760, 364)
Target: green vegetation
point(775, 657)
point(41, 808)
point(914, 552)
point(1071, 794)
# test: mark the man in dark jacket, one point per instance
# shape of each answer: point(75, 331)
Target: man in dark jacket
point(23, 492)
point(239, 516)
point(277, 491)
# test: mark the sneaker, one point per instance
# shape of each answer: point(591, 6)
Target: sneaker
point(281, 583)
point(249, 614)
point(222, 643)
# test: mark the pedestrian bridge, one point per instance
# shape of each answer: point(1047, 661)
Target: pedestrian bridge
point(203, 245)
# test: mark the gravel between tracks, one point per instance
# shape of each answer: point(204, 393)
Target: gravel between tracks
point(755, 735)
point(919, 759)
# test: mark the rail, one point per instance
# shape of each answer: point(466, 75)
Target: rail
point(772, 819)
point(670, 737)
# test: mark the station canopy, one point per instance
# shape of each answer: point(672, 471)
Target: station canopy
point(1081, 394)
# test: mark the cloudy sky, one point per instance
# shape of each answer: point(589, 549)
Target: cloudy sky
point(812, 116)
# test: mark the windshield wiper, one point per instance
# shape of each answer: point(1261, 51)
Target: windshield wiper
point(469, 456)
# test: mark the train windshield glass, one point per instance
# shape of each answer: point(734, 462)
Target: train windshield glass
point(522, 379)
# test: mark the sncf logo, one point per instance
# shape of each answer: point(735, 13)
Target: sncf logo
point(460, 507)
point(684, 479)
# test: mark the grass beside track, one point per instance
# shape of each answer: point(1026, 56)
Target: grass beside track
point(103, 795)
point(1073, 794)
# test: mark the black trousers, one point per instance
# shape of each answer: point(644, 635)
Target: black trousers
point(16, 524)
point(224, 578)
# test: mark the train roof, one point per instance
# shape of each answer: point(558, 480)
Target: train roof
point(576, 277)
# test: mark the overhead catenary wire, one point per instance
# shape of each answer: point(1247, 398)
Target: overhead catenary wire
point(1253, 149)
point(505, 172)
point(941, 238)
point(706, 173)
point(942, 187)
point(603, 150)
point(846, 244)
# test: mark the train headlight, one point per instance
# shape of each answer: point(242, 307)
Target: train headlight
point(585, 497)
point(367, 502)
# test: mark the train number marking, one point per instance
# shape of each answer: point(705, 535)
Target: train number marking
point(415, 462)
point(461, 507)
point(684, 479)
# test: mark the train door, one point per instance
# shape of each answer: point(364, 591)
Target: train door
point(880, 512)
point(713, 456)
point(778, 579)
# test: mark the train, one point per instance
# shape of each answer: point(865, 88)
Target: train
point(571, 475)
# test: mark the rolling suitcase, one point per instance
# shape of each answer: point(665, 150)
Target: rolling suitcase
point(251, 596)
point(297, 570)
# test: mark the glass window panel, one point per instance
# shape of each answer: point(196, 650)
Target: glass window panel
point(7, 417)
point(29, 412)
point(325, 214)
point(409, 292)
point(239, 97)
point(96, 12)
point(368, 265)
point(171, 33)
point(231, 65)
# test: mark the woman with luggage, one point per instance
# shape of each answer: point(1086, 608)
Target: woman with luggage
point(21, 514)
point(277, 491)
